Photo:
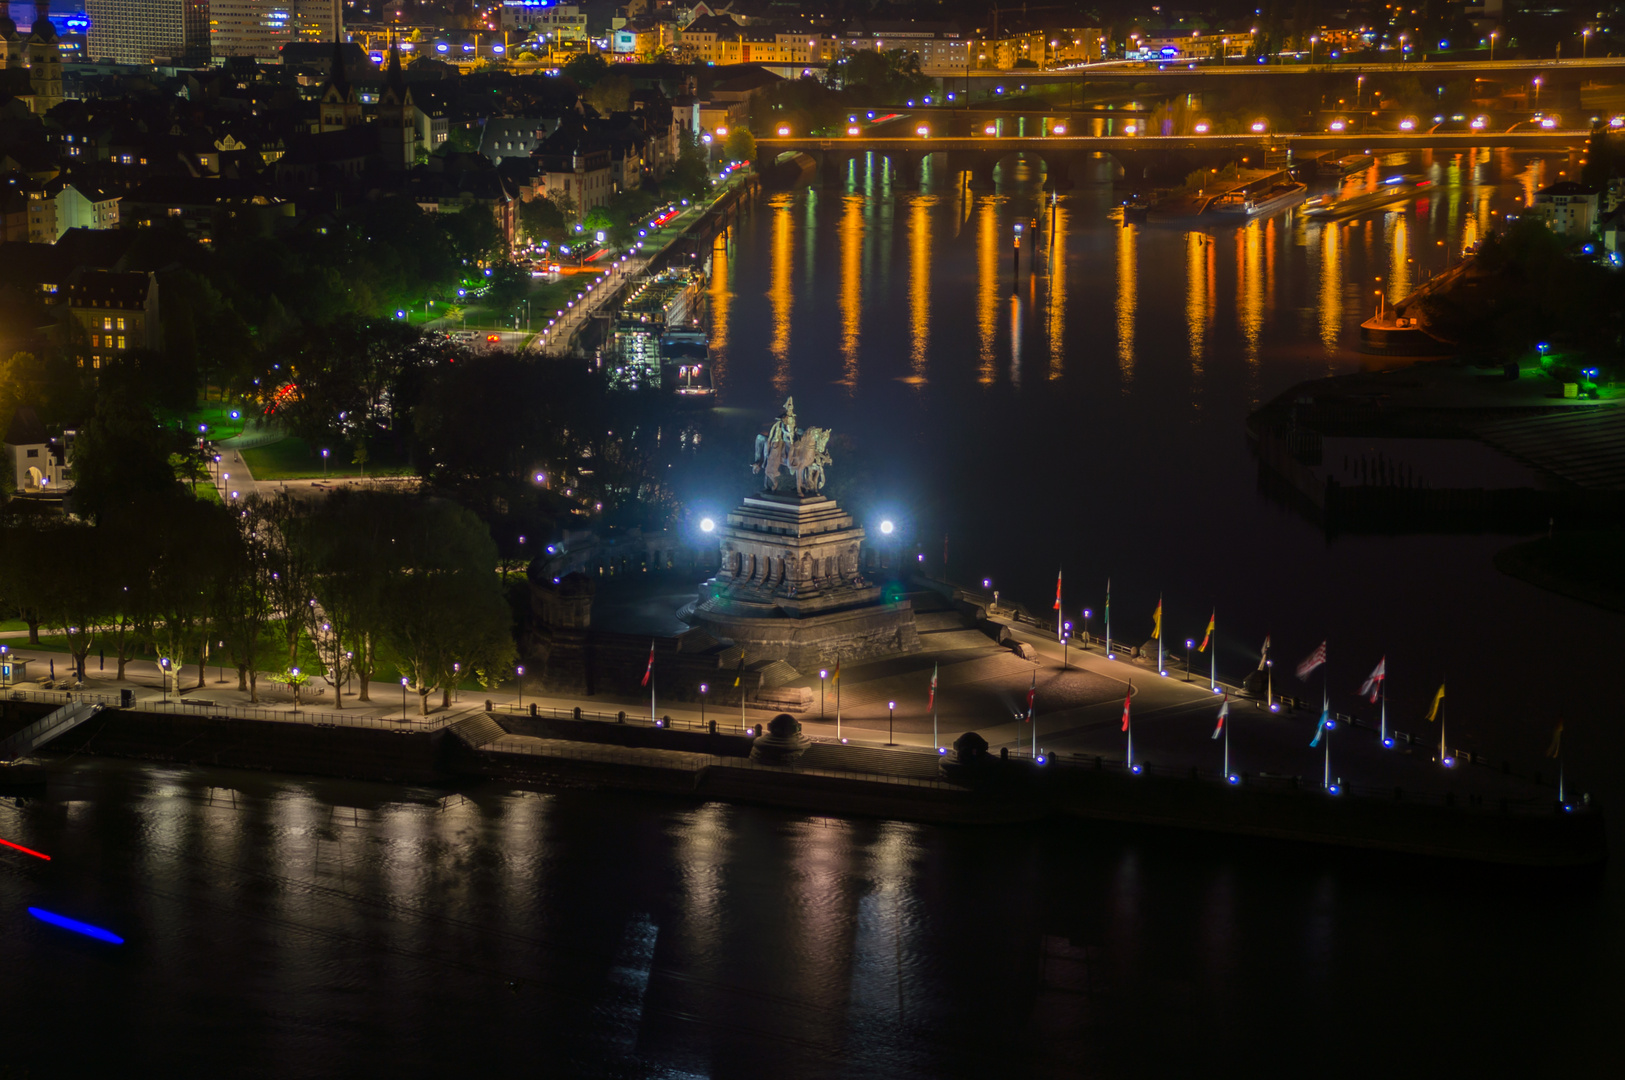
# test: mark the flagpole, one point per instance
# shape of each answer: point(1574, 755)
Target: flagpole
point(1213, 658)
point(1328, 778)
point(1383, 687)
point(1131, 744)
point(1057, 606)
point(1227, 748)
point(838, 705)
point(1108, 618)
point(1158, 629)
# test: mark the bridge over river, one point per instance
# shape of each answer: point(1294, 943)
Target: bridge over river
point(1141, 156)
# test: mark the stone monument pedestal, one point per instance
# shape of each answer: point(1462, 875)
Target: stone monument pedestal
point(790, 588)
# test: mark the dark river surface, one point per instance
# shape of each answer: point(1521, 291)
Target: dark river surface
point(1090, 418)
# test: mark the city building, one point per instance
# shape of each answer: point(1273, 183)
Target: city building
point(33, 64)
point(549, 21)
point(942, 49)
point(260, 28)
point(1568, 208)
point(113, 313)
point(38, 462)
point(148, 31)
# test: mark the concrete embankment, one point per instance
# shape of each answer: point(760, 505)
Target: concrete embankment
point(861, 781)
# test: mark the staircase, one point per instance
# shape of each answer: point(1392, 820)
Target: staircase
point(37, 734)
point(477, 731)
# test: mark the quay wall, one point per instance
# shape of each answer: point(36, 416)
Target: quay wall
point(706, 766)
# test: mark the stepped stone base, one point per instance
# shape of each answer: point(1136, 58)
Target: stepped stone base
point(791, 587)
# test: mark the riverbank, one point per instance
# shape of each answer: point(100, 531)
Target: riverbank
point(952, 788)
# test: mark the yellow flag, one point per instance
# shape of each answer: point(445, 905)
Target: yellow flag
point(837, 676)
point(1156, 620)
point(1438, 699)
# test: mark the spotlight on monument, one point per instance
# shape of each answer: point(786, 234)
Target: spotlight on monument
point(887, 527)
point(707, 525)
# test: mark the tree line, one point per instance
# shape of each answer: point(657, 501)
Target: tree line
point(270, 584)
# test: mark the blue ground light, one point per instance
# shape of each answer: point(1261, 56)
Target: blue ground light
point(76, 926)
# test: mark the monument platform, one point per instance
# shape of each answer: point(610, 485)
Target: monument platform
point(791, 586)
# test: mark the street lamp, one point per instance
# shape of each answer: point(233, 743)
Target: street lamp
point(1493, 34)
point(403, 699)
point(1086, 614)
point(163, 674)
point(1066, 643)
point(703, 689)
point(823, 674)
point(1585, 39)
point(324, 463)
point(891, 709)
point(1189, 645)
point(291, 671)
point(521, 671)
point(1537, 92)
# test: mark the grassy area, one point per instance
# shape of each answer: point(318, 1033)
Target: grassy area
point(207, 492)
point(292, 458)
point(216, 419)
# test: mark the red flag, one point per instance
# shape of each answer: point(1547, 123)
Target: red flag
point(650, 670)
point(1057, 590)
point(1224, 711)
point(931, 700)
point(1312, 661)
point(1209, 636)
point(1125, 708)
point(1373, 682)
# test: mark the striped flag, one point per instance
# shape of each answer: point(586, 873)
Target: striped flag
point(739, 675)
point(1057, 590)
point(1211, 619)
point(1320, 728)
point(1156, 621)
point(1126, 698)
point(1373, 682)
point(1264, 654)
point(931, 700)
point(1312, 661)
point(1224, 711)
point(649, 671)
point(837, 676)
point(1557, 742)
point(1438, 700)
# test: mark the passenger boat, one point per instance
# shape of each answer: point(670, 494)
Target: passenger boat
point(1276, 197)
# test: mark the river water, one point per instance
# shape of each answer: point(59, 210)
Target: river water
point(1090, 417)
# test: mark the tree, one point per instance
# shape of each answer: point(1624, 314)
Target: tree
point(27, 563)
point(475, 236)
point(247, 600)
point(340, 538)
point(741, 145)
point(610, 94)
point(76, 597)
point(585, 70)
point(190, 542)
point(122, 456)
point(541, 219)
point(443, 606)
point(355, 378)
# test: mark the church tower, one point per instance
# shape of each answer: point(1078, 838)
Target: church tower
point(340, 107)
point(44, 60)
point(15, 52)
point(397, 118)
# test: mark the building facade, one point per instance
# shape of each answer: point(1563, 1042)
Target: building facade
point(112, 314)
point(145, 31)
point(260, 28)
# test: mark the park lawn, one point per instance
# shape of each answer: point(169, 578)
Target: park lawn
point(292, 458)
point(207, 492)
point(216, 417)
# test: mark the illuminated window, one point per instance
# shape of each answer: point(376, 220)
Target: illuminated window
point(121, 341)
point(107, 322)
point(95, 341)
point(121, 322)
